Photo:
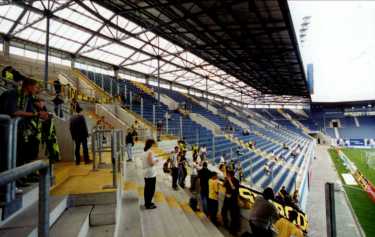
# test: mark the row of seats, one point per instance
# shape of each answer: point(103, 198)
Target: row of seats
point(194, 133)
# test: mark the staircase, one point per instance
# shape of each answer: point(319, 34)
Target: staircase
point(172, 217)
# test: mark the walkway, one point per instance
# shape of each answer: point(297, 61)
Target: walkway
point(323, 171)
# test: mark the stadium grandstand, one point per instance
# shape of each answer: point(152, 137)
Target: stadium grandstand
point(177, 118)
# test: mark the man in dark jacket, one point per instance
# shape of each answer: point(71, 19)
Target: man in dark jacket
point(79, 132)
point(204, 175)
point(130, 144)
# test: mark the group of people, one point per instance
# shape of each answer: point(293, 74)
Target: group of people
point(36, 127)
point(265, 221)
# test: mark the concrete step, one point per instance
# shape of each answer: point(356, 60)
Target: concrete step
point(27, 198)
point(103, 231)
point(26, 222)
point(103, 215)
point(175, 217)
point(74, 222)
point(200, 221)
point(130, 219)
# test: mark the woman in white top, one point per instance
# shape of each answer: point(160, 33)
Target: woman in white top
point(149, 162)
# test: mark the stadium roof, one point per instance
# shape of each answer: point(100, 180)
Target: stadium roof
point(244, 49)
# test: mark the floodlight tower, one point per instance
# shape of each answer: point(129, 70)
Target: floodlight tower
point(305, 26)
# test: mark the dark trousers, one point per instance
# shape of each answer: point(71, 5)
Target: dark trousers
point(174, 177)
point(230, 206)
point(149, 190)
point(213, 206)
point(182, 176)
point(28, 151)
point(258, 231)
point(193, 181)
point(204, 202)
point(78, 143)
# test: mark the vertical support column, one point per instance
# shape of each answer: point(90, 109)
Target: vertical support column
point(72, 61)
point(170, 85)
point(125, 92)
point(153, 114)
point(114, 158)
point(207, 91)
point(241, 98)
point(142, 107)
point(330, 209)
point(213, 148)
point(131, 100)
point(102, 81)
point(147, 78)
point(166, 125)
point(188, 90)
point(117, 79)
point(43, 212)
point(158, 80)
point(111, 86)
point(46, 49)
point(6, 43)
point(181, 127)
point(197, 136)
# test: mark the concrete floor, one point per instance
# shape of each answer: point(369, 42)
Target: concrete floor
point(323, 171)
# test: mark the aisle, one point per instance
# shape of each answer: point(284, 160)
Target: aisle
point(323, 171)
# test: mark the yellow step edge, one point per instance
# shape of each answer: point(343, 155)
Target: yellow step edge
point(172, 202)
point(130, 185)
point(186, 208)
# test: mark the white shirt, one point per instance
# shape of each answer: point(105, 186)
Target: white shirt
point(174, 160)
point(195, 168)
point(148, 170)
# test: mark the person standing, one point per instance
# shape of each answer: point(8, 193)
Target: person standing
point(159, 129)
point(263, 214)
point(57, 86)
point(149, 162)
point(194, 173)
point(213, 197)
point(204, 175)
point(231, 185)
point(129, 144)
point(182, 173)
point(79, 133)
point(21, 103)
point(58, 101)
point(174, 167)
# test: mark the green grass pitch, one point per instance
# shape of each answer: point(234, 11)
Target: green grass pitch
point(363, 207)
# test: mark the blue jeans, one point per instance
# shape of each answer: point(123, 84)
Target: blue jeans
point(129, 150)
point(204, 202)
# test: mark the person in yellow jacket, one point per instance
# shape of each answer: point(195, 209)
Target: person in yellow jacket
point(286, 228)
point(213, 197)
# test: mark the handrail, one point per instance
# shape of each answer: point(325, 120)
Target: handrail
point(116, 148)
point(44, 183)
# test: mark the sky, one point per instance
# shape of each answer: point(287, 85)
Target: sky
point(340, 43)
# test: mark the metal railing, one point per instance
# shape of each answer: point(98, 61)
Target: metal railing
point(108, 141)
point(9, 129)
point(42, 166)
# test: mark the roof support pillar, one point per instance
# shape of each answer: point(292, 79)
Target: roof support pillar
point(147, 78)
point(207, 91)
point(170, 85)
point(46, 51)
point(188, 90)
point(72, 61)
point(158, 58)
point(117, 79)
point(6, 43)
